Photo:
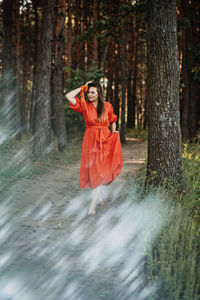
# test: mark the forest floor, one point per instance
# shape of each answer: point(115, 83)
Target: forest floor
point(48, 233)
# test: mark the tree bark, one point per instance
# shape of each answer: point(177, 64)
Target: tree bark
point(116, 83)
point(26, 64)
point(58, 118)
point(68, 44)
point(95, 41)
point(135, 69)
point(42, 134)
point(123, 78)
point(164, 139)
point(190, 89)
point(110, 70)
point(37, 42)
point(130, 103)
point(77, 45)
point(10, 93)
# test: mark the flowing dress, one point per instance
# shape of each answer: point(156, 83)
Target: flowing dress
point(101, 158)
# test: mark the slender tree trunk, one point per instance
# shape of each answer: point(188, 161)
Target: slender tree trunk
point(82, 30)
point(116, 83)
point(11, 102)
point(77, 31)
point(89, 42)
point(42, 134)
point(190, 96)
point(37, 43)
point(110, 71)
point(164, 147)
point(57, 77)
point(26, 65)
point(123, 77)
point(130, 106)
point(95, 41)
point(135, 68)
point(68, 44)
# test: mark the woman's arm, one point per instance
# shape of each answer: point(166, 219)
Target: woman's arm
point(113, 127)
point(70, 96)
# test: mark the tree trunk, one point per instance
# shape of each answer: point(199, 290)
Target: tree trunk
point(123, 78)
point(42, 134)
point(68, 44)
point(11, 103)
point(82, 30)
point(135, 68)
point(164, 141)
point(37, 43)
point(116, 83)
point(77, 45)
point(89, 44)
point(130, 106)
point(26, 64)
point(190, 96)
point(95, 41)
point(110, 70)
point(58, 118)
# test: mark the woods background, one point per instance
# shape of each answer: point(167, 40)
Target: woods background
point(51, 46)
point(146, 54)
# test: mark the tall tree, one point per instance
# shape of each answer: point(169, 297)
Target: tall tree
point(116, 83)
point(57, 76)
point(42, 133)
point(68, 44)
point(26, 38)
point(130, 103)
point(135, 67)
point(123, 78)
point(164, 141)
point(110, 70)
point(36, 54)
point(189, 102)
point(11, 106)
point(95, 41)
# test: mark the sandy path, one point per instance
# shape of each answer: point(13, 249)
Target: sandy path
point(43, 238)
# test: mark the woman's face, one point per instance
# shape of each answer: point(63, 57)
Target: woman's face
point(92, 94)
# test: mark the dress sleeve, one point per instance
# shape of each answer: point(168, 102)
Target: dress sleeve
point(111, 116)
point(76, 107)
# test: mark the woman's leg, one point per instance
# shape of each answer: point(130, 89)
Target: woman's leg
point(92, 209)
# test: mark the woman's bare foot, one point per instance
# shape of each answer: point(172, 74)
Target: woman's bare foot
point(100, 202)
point(91, 213)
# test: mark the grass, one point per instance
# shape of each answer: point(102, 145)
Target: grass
point(15, 162)
point(174, 259)
point(141, 134)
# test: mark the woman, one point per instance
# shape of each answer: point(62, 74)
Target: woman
point(101, 159)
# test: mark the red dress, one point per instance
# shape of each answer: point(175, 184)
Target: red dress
point(101, 158)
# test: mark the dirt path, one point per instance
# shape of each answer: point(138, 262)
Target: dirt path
point(49, 234)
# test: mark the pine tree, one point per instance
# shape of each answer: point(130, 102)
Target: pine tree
point(164, 149)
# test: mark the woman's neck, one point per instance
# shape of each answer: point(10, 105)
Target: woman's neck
point(95, 103)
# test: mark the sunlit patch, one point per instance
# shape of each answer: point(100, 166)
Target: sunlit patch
point(132, 139)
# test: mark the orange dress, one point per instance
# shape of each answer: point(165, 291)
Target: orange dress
point(101, 158)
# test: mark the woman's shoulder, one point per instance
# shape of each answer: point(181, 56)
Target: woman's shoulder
point(107, 104)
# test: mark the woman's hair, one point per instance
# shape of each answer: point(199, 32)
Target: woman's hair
point(100, 103)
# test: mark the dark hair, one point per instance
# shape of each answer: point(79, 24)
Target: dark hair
point(100, 103)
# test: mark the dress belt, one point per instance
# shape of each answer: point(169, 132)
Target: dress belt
point(100, 138)
point(98, 127)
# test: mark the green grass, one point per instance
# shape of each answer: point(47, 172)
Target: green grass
point(141, 134)
point(174, 259)
point(15, 162)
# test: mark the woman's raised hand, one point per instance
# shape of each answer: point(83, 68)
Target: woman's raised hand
point(88, 82)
